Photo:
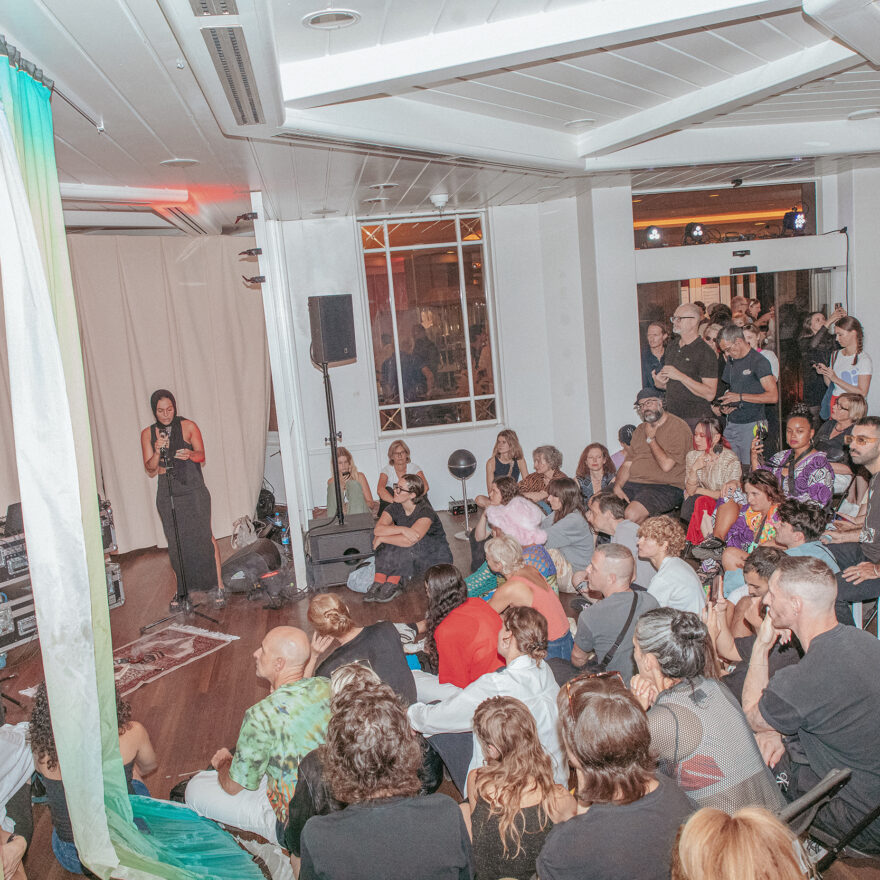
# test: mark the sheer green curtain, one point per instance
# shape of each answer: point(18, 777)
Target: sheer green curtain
point(59, 504)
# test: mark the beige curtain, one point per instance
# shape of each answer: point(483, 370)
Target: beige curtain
point(169, 312)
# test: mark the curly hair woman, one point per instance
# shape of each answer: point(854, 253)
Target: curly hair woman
point(513, 799)
point(371, 758)
point(138, 758)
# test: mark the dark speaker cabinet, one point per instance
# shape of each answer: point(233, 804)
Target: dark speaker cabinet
point(335, 551)
point(332, 324)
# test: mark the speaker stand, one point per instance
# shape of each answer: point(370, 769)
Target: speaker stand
point(463, 536)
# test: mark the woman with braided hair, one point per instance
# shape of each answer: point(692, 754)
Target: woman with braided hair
point(698, 729)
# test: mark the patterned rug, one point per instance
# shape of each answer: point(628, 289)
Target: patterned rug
point(154, 655)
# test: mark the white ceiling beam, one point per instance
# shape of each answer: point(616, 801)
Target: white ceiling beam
point(393, 67)
point(744, 143)
point(854, 22)
point(114, 220)
point(703, 104)
point(122, 195)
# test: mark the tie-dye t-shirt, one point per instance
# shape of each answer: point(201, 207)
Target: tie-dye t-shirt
point(276, 734)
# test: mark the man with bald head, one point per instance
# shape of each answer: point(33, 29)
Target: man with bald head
point(820, 713)
point(607, 627)
point(252, 789)
point(689, 373)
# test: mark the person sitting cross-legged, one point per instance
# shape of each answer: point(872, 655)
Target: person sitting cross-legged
point(651, 479)
point(252, 789)
point(821, 713)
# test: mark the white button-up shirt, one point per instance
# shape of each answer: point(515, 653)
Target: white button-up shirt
point(521, 678)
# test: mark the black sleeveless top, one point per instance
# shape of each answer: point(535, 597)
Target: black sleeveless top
point(506, 470)
point(184, 471)
point(489, 859)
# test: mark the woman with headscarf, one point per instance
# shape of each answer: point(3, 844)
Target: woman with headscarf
point(174, 452)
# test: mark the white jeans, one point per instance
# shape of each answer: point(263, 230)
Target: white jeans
point(248, 810)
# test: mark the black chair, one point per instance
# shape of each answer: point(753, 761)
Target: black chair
point(800, 814)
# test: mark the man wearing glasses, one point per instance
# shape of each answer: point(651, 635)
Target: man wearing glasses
point(751, 384)
point(857, 548)
point(690, 369)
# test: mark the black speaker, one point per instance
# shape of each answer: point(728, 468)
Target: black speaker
point(335, 551)
point(243, 570)
point(332, 322)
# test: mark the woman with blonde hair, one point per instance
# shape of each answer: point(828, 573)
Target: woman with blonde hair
point(377, 645)
point(752, 844)
point(353, 487)
point(507, 461)
point(513, 800)
point(399, 464)
point(525, 587)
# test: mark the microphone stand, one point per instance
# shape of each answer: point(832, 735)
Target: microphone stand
point(331, 419)
point(185, 604)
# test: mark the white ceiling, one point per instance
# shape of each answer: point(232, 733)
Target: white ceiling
point(480, 99)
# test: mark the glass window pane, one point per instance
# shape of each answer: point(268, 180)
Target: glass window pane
point(485, 410)
point(427, 297)
point(423, 232)
point(478, 319)
point(471, 229)
point(390, 419)
point(438, 414)
point(382, 329)
point(373, 236)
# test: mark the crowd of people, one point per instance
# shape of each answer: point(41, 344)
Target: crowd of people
point(644, 664)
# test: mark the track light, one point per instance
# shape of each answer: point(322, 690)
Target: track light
point(794, 221)
point(694, 233)
point(653, 236)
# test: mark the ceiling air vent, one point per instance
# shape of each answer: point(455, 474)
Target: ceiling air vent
point(213, 7)
point(182, 221)
point(228, 51)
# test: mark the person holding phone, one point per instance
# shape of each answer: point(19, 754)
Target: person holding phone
point(174, 452)
point(353, 487)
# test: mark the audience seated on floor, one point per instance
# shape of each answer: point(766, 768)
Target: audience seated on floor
point(547, 461)
point(524, 586)
point(606, 515)
point(138, 759)
point(399, 463)
point(521, 519)
point(675, 585)
point(595, 471)
point(353, 487)
point(627, 815)
point(501, 492)
point(16, 818)
point(830, 439)
point(605, 629)
point(651, 479)
point(522, 644)
point(252, 789)
point(752, 844)
point(826, 706)
point(337, 641)
point(513, 799)
point(388, 830)
point(698, 730)
point(507, 461)
point(566, 526)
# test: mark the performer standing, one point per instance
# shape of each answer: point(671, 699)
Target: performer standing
point(181, 442)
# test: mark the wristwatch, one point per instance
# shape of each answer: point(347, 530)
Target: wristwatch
point(649, 439)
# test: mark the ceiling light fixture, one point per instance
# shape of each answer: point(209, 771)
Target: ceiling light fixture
point(439, 200)
point(653, 236)
point(869, 113)
point(389, 184)
point(323, 212)
point(579, 123)
point(375, 199)
point(331, 19)
point(694, 234)
point(179, 163)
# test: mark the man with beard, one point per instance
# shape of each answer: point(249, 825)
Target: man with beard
point(651, 479)
point(857, 548)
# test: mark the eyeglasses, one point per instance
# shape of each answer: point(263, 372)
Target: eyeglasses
point(676, 318)
point(859, 439)
point(403, 489)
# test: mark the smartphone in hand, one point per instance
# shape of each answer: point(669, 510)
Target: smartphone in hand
point(715, 588)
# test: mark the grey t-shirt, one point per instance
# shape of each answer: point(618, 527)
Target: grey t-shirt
point(627, 534)
point(600, 624)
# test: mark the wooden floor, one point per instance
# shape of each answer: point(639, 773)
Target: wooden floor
point(198, 708)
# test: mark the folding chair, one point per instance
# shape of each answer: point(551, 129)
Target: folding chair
point(800, 814)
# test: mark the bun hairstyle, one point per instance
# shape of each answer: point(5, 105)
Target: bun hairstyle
point(329, 615)
point(529, 630)
point(680, 642)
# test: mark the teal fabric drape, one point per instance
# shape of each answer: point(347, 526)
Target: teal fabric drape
point(57, 481)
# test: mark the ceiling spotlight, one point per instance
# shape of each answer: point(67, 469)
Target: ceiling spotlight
point(794, 221)
point(331, 19)
point(375, 200)
point(653, 236)
point(694, 233)
point(389, 184)
point(439, 200)
point(179, 163)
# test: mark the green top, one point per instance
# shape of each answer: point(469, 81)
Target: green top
point(275, 736)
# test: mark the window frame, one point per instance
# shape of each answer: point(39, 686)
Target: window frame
point(459, 244)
